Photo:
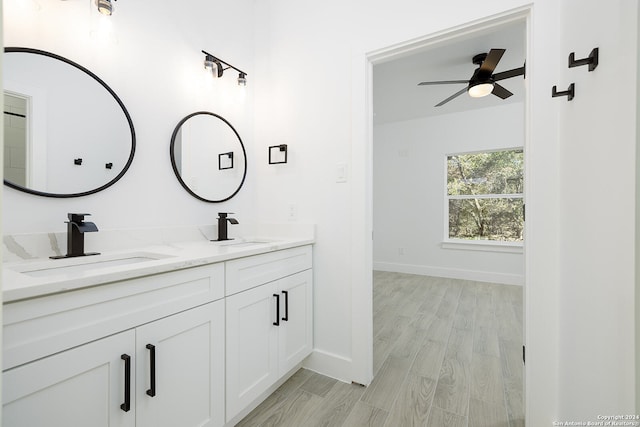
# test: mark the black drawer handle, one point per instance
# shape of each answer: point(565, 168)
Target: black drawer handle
point(277, 322)
point(126, 406)
point(152, 369)
point(286, 306)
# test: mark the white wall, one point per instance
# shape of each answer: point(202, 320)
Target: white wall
point(151, 57)
point(314, 68)
point(408, 192)
point(597, 144)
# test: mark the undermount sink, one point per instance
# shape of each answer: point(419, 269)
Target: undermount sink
point(85, 264)
point(238, 243)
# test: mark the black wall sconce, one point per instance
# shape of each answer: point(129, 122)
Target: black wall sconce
point(217, 67)
point(282, 148)
point(228, 163)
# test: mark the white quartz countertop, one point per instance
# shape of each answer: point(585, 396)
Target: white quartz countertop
point(37, 277)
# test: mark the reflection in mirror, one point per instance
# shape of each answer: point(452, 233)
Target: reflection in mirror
point(208, 157)
point(63, 127)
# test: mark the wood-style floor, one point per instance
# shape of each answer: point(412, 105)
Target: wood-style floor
point(446, 353)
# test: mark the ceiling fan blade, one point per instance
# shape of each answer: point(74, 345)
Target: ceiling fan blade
point(491, 62)
point(508, 74)
point(444, 82)
point(501, 91)
point(455, 95)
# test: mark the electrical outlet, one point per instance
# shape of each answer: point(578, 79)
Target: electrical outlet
point(292, 212)
point(400, 251)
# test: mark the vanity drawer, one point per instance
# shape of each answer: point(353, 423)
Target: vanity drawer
point(42, 326)
point(249, 272)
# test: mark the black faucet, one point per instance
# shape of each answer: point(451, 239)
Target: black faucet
point(222, 225)
point(76, 227)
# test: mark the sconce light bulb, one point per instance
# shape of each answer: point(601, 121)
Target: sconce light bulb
point(217, 69)
point(242, 79)
point(105, 7)
point(208, 62)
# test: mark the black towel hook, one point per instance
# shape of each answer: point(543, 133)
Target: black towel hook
point(569, 93)
point(591, 60)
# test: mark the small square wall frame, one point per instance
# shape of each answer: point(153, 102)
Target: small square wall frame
point(282, 148)
point(228, 164)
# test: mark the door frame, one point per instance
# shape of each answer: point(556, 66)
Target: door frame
point(362, 174)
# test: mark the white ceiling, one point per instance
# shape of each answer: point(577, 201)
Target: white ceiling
point(397, 96)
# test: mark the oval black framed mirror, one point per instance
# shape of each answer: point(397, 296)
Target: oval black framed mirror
point(67, 133)
point(208, 157)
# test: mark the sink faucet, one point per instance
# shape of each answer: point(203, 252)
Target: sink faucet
point(222, 225)
point(76, 227)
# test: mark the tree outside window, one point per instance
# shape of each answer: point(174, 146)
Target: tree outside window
point(485, 196)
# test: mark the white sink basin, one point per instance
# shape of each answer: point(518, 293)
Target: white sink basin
point(239, 243)
point(81, 265)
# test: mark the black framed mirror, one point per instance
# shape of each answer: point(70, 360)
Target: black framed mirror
point(67, 133)
point(208, 157)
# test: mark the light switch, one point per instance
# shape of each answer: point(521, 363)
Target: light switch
point(341, 172)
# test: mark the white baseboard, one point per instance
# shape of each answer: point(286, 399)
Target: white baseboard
point(330, 365)
point(452, 273)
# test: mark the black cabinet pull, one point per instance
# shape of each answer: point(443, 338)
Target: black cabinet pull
point(152, 369)
point(277, 322)
point(286, 306)
point(126, 406)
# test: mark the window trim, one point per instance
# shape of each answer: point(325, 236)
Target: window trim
point(483, 245)
point(478, 245)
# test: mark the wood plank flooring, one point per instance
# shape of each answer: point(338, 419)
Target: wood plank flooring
point(446, 353)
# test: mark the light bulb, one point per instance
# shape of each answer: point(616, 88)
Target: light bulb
point(105, 7)
point(480, 90)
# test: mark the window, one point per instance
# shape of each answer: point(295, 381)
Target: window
point(484, 196)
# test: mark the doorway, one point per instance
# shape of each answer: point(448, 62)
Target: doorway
point(379, 58)
point(16, 141)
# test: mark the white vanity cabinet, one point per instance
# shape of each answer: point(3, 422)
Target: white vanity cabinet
point(269, 312)
point(142, 352)
point(185, 385)
point(194, 346)
point(83, 386)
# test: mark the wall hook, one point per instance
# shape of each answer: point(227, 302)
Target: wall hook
point(569, 93)
point(108, 165)
point(591, 60)
point(77, 162)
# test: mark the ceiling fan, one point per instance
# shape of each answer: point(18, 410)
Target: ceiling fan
point(483, 81)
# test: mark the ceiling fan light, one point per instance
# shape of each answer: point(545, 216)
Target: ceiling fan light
point(480, 89)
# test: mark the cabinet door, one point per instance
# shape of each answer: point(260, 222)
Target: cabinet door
point(252, 346)
point(81, 387)
point(296, 309)
point(185, 384)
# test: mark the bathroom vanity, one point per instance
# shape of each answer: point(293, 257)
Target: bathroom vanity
point(189, 334)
